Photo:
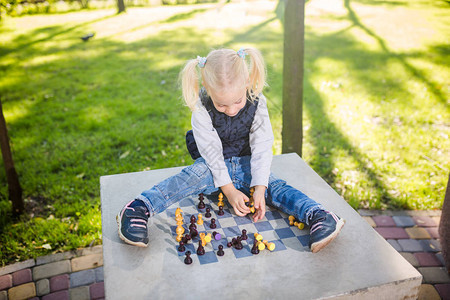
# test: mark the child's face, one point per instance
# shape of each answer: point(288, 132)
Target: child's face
point(230, 102)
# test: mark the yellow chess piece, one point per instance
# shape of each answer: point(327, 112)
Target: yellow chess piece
point(270, 246)
point(258, 237)
point(208, 238)
point(291, 220)
point(179, 230)
point(178, 211)
point(200, 219)
point(220, 200)
point(261, 246)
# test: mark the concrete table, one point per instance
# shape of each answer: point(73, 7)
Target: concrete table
point(358, 264)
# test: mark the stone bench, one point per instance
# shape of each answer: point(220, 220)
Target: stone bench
point(358, 264)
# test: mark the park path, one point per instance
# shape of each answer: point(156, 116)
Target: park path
point(78, 275)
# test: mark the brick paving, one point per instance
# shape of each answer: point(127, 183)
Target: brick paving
point(78, 275)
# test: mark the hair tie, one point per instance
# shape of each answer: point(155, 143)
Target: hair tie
point(241, 52)
point(201, 61)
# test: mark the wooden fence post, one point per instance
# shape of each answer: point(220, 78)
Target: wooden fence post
point(294, 28)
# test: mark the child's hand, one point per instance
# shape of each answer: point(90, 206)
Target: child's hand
point(237, 199)
point(260, 202)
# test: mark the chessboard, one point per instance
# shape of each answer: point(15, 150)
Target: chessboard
point(290, 271)
point(274, 228)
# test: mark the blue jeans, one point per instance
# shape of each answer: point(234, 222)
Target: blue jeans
point(197, 178)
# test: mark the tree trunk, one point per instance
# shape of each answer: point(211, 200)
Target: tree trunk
point(14, 189)
point(294, 28)
point(444, 227)
point(120, 6)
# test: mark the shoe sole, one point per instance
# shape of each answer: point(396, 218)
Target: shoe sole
point(317, 246)
point(123, 238)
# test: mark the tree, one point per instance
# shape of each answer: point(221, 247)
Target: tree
point(444, 227)
point(120, 6)
point(294, 28)
point(14, 189)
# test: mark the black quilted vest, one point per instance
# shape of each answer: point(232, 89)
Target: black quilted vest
point(234, 132)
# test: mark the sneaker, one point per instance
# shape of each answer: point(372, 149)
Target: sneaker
point(132, 221)
point(325, 226)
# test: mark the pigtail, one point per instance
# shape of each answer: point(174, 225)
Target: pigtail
point(190, 87)
point(257, 76)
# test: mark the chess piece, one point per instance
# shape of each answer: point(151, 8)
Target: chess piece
point(208, 213)
point(291, 220)
point(258, 237)
point(200, 249)
point(201, 204)
point(299, 225)
point(208, 238)
point(220, 252)
point(270, 246)
point(244, 235)
point(202, 238)
point(213, 224)
point(188, 259)
point(200, 219)
point(260, 245)
point(255, 249)
point(238, 244)
point(193, 219)
point(229, 244)
point(217, 236)
point(220, 200)
point(179, 231)
point(186, 238)
point(193, 232)
point(192, 226)
point(181, 247)
point(220, 213)
point(200, 196)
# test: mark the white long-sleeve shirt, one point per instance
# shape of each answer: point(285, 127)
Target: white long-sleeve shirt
point(210, 146)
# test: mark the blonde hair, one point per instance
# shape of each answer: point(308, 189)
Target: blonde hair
point(224, 69)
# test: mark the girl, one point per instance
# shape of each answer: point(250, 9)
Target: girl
point(231, 143)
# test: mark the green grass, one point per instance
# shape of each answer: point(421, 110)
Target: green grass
point(376, 110)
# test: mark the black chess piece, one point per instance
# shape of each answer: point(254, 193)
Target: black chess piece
point(201, 204)
point(181, 248)
point(238, 244)
point(193, 219)
point(200, 249)
point(220, 213)
point(213, 224)
point(188, 259)
point(220, 252)
point(229, 244)
point(255, 249)
point(244, 235)
point(193, 232)
point(192, 226)
point(200, 197)
point(208, 213)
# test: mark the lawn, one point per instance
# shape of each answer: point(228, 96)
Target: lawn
point(376, 103)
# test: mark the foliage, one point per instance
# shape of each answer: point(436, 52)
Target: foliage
point(375, 109)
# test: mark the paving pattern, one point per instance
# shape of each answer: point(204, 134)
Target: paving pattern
point(79, 274)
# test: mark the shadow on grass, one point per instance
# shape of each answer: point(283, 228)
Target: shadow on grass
point(22, 42)
point(353, 17)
